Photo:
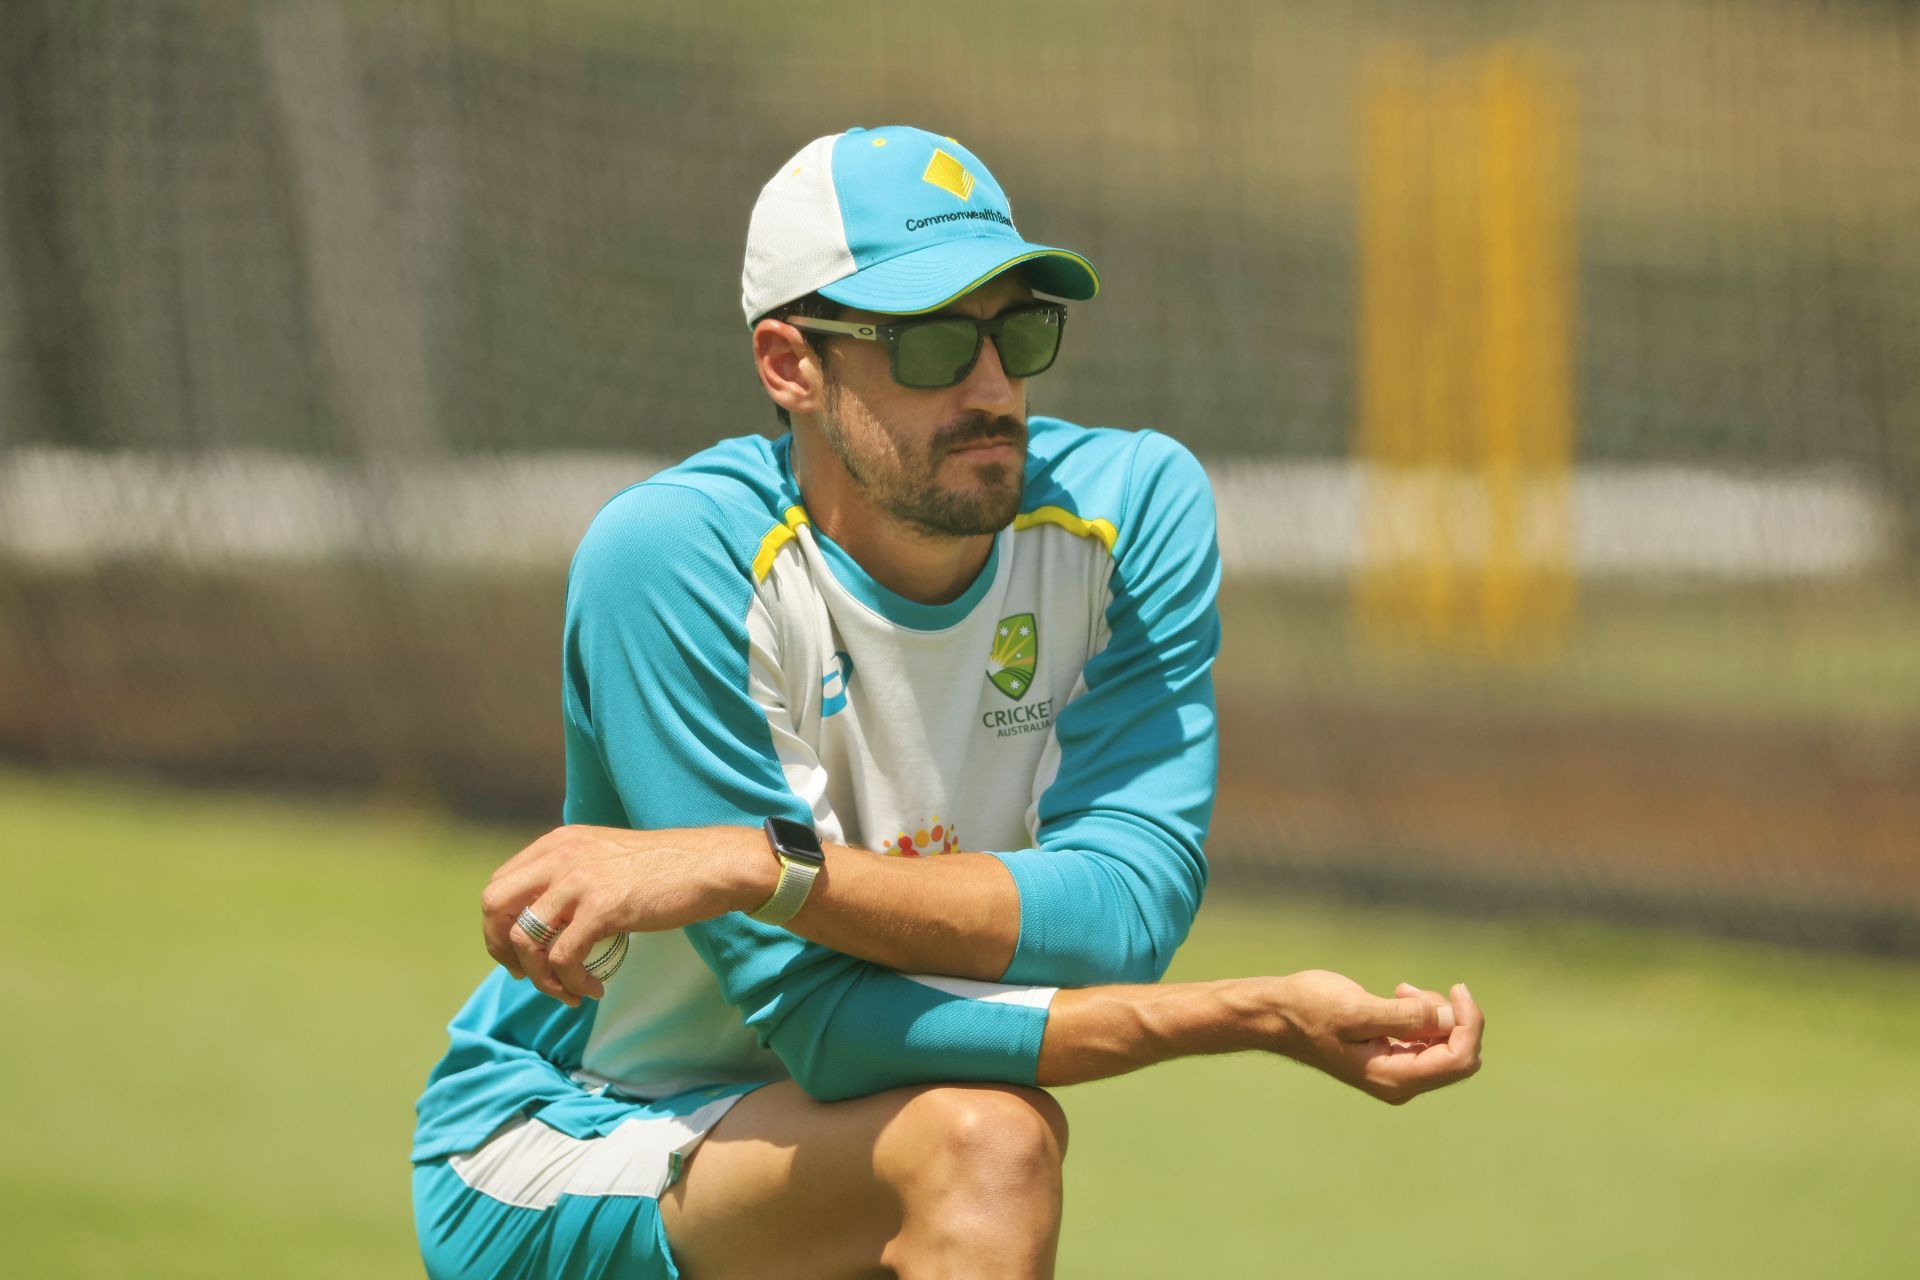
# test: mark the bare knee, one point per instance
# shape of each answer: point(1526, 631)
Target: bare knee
point(1049, 1111)
point(992, 1130)
point(978, 1172)
point(962, 1141)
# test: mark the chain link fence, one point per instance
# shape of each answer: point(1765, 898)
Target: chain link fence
point(324, 328)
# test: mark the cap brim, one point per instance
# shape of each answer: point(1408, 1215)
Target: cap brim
point(928, 279)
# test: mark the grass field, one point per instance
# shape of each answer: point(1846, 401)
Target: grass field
point(219, 1011)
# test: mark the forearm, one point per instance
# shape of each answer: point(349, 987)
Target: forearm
point(1096, 1032)
point(1392, 1049)
point(957, 915)
point(882, 1030)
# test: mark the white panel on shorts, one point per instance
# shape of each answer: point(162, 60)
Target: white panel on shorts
point(531, 1166)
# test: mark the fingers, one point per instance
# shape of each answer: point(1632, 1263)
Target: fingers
point(579, 918)
point(543, 878)
point(1470, 1024)
point(505, 897)
point(512, 887)
point(555, 910)
point(1442, 1007)
point(1408, 1017)
point(499, 906)
point(568, 953)
point(578, 881)
point(1400, 1072)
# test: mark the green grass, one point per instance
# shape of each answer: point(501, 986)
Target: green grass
point(219, 1012)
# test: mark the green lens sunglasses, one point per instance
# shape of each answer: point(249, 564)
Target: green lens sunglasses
point(940, 351)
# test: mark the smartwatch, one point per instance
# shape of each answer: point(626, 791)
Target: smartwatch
point(801, 859)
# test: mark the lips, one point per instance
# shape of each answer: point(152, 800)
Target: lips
point(984, 436)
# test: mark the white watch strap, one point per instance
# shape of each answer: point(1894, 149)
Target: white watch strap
point(796, 881)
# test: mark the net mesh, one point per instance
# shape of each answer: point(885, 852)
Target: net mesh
point(1555, 370)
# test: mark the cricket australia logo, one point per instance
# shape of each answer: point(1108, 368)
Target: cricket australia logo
point(1010, 666)
point(1016, 648)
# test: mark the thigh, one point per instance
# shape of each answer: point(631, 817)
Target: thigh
point(787, 1186)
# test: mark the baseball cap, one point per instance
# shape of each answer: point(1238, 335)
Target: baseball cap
point(896, 220)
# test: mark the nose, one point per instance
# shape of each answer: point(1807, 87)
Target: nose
point(987, 386)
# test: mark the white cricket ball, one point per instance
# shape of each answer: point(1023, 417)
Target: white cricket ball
point(606, 956)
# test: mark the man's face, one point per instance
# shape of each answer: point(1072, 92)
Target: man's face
point(948, 462)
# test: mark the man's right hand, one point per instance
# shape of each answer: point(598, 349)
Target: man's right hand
point(590, 883)
point(1394, 1049)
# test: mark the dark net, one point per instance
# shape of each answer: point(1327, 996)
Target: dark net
point(1555, 367)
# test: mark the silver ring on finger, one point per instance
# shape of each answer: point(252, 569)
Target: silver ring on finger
point(534, 927)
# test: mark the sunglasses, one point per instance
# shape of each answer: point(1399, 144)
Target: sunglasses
point(940, 351)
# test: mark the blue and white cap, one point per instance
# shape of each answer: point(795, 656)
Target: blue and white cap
point(896, 220)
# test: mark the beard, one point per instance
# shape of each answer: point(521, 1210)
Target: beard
point(909, 488)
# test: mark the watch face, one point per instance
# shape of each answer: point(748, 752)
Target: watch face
point(796, 840)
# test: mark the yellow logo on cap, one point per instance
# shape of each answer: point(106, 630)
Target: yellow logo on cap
point(948, 174)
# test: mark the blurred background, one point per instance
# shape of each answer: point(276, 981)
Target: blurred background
point(1555, 365)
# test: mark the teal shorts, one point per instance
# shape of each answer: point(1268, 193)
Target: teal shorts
point(534, 1203)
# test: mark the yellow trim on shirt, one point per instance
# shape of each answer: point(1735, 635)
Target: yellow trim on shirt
point(777, 537)
point(1100, 529)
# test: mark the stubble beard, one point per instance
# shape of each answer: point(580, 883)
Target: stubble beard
point(910, 490)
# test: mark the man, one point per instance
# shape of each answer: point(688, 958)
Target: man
point(921, 623)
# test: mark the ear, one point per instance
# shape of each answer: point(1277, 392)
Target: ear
point(789, 369)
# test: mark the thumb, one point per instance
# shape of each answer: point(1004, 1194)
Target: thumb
point(1434, 1000)
point(1407, 1018)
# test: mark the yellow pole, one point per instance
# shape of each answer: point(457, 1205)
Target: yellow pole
point(1394, 306)
point(1525, 365)
point(1451, 517)
point(1506, 342)
point(1465, 355)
